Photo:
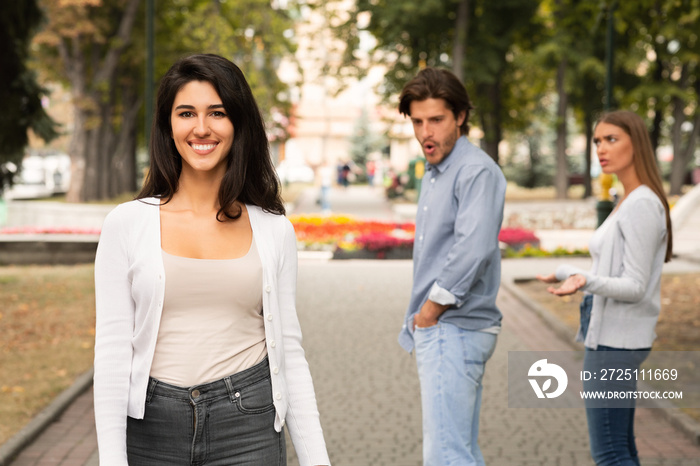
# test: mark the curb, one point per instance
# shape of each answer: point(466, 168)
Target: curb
point(686, 424)
point(10, 449)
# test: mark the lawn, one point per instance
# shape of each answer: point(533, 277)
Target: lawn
point(47, 319)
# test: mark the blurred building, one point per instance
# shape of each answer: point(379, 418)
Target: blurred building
point(326, 107)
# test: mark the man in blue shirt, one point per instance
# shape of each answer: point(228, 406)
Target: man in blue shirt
point(452, 321)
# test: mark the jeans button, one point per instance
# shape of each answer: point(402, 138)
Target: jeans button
point(195, 393)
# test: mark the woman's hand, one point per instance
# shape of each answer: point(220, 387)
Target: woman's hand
point(570, 286)
point(551, 278)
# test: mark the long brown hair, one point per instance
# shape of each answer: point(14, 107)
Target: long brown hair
point(250, 175)
point(643, 159)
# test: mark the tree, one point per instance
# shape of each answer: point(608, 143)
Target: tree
point(19, 91)
point(363, 141)
point(86, 43)
point(96, 47)
point(416, 33)
point(664, 42)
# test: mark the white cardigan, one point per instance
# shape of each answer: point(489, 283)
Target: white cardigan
point(626, 286)
point(129, 290)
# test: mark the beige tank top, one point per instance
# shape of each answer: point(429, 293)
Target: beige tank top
point(212, 324)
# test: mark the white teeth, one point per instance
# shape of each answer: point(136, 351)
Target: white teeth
point(203, 146)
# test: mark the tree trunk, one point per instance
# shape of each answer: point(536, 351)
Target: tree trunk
point(561, 180)
point(533, 144)
point(681, 155)
point(491, 119)
point(99, 142)
point(76, 149)
point(658, 78)
point(459, 50)
point(587, 181)
point(123, 164)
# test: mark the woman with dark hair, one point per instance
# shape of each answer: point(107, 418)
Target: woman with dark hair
point(622, 289)
point(198, 355)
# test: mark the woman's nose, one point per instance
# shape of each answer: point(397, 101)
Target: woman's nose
point(202, 127)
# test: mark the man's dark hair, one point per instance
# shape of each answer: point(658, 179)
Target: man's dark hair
point(434, 83)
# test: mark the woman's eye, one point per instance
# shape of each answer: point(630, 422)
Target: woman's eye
point(186, 114)
point(219, 114)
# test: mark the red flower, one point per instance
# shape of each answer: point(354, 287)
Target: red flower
point(517, 235)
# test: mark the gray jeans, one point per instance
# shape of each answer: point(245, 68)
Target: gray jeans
point(222, 423)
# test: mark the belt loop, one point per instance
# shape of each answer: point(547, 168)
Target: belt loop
point(151, 387)
point(229, 388)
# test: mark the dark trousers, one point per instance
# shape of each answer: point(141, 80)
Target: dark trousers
point(222, 423)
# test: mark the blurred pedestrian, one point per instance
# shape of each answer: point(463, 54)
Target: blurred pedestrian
point(198, 355)
point(326, 179)
point(371, 171)
point(452, 321)
point(622, 290)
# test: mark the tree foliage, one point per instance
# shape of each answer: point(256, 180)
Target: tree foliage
point(97, 48)
point(663, 53)
point(19, 91)
point(417, 33)
point(516, 49)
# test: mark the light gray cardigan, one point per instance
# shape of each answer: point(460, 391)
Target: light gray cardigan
point(129, 289)
point(626, 286)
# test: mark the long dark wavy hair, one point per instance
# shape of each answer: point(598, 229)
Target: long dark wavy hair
point(250, 176)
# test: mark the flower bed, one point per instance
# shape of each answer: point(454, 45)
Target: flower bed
point(349, 238)
point(518, 238)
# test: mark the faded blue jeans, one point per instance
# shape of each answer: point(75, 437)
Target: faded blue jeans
point(451, 363)
point(611, 422)
point(222, 423)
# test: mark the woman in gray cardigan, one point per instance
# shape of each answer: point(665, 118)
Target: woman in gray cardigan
point(622, 289)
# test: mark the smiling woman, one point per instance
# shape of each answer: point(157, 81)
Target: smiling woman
point(195, 291)
point(202, 131)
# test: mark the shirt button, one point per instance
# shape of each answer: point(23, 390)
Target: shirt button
point(269, 317)
point(268, 288)
point(278, 396)
point(421, 237)
point(425, 208)
point(273, 343)
point(432, 180)
point(275, 370)
point(282, 422)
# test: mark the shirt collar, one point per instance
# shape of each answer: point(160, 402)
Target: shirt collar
point(447, 161)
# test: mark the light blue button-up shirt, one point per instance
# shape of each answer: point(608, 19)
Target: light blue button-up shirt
point(456, 258)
